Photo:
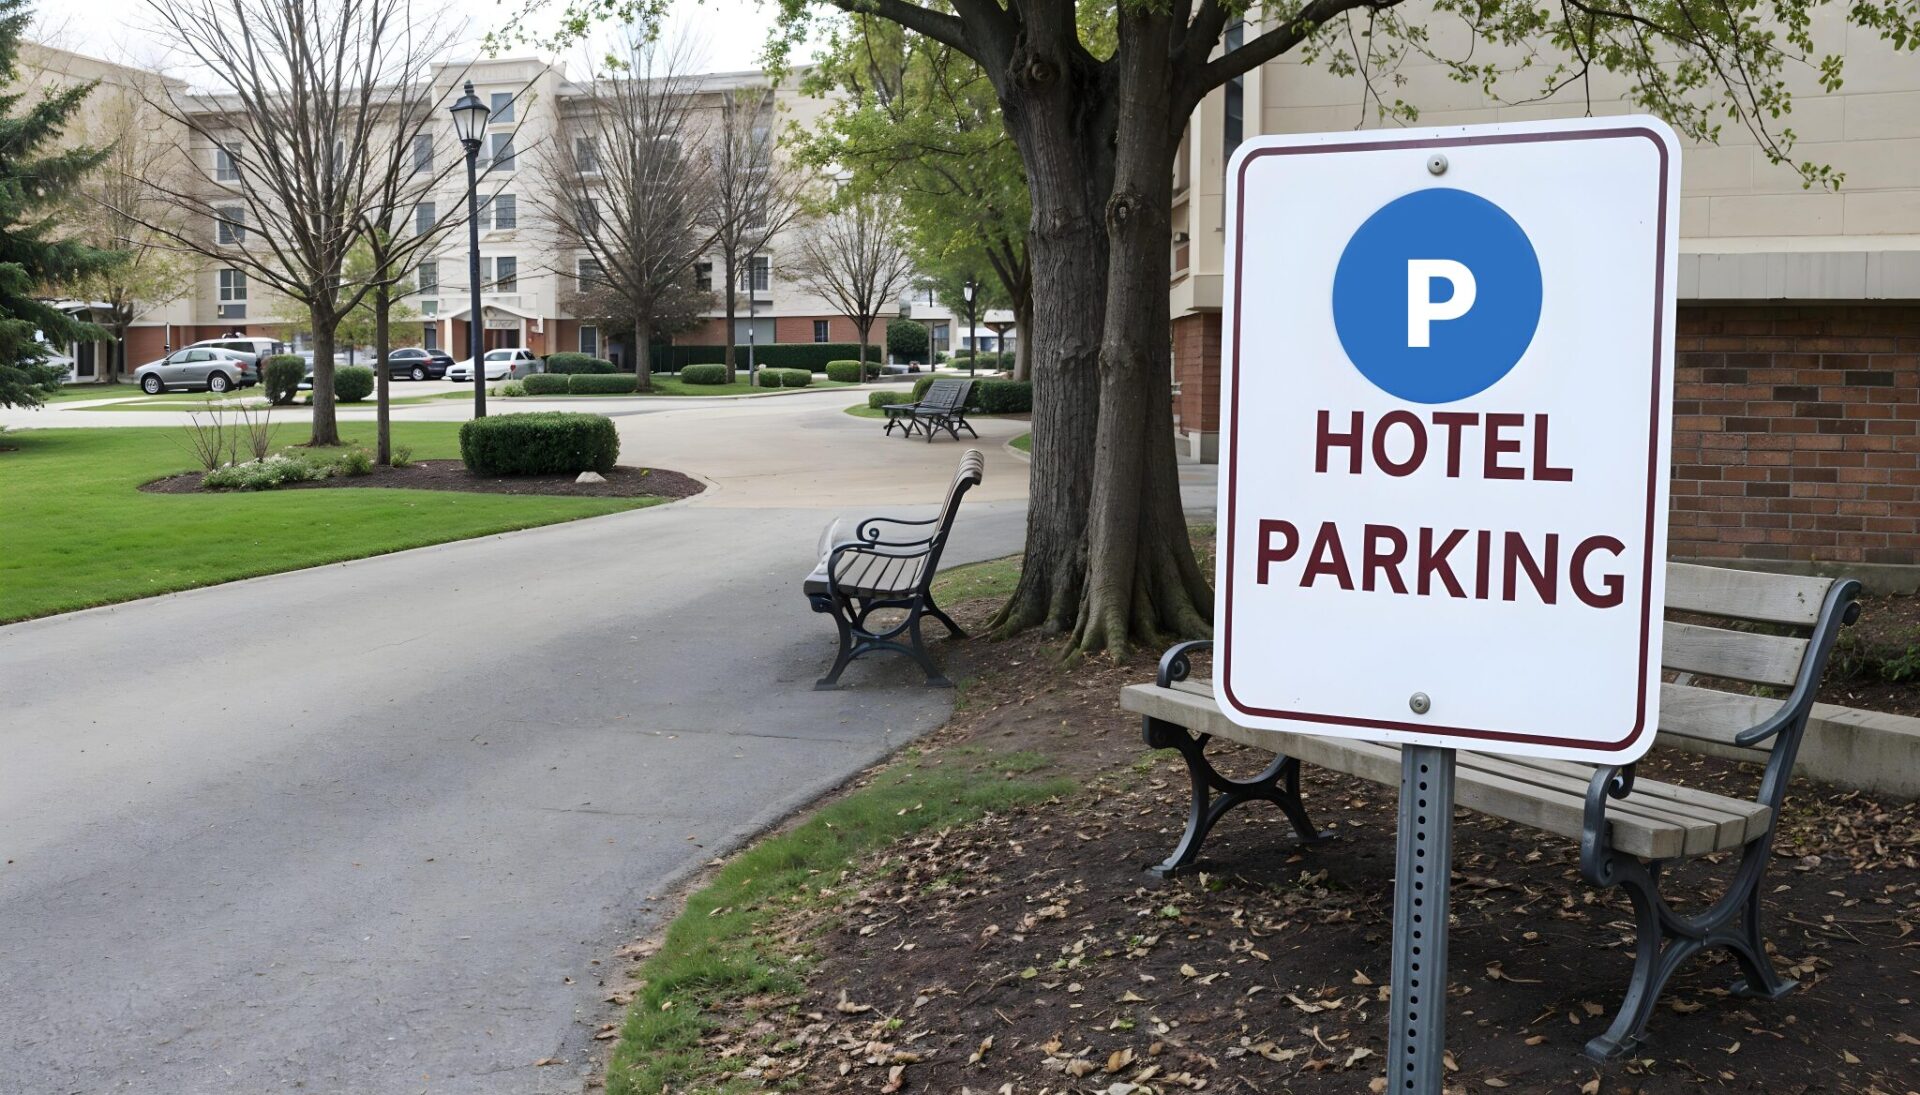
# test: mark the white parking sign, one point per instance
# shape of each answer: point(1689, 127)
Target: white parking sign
point(1447, 381)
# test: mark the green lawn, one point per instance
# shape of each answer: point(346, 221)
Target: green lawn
point(1024, 443)
point(77, 392)
point(79, 534)
point(187, 402)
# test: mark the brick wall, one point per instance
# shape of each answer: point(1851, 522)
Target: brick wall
point(1196, 366)
point(1797, 434)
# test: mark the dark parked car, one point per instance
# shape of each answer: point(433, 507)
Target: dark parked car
point(412, 363)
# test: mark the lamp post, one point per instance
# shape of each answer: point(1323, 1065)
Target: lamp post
point(751, 292)
point(470, 124)
point(968, 290)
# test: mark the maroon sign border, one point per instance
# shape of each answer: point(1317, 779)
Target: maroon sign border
point(1653, 432)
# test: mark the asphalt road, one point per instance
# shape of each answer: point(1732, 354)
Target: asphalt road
point(364, 828)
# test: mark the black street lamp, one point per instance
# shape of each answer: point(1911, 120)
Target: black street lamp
point(470, 124)
point(968, 290)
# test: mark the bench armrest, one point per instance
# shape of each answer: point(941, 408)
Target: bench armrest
point(1609, 781)
point(868, 530)
point(1177, 663)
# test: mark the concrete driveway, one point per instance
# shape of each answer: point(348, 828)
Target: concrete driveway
point(364, 828)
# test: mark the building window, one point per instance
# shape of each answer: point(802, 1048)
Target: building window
point(429, 307)
point(230, 225)
point(937, 337)
point(422, 153)
point(423, 218)
point(588, 273)
point(586, 155)
point(502, 274)
point(500, 212)
point(226, 164)
point(233, 294)
point(758, 274)
point(590, 339)
point(430, 336)
point(500, 151)
point(820, 330)
point(502, 103)
point(703, 276)
point(428, 279)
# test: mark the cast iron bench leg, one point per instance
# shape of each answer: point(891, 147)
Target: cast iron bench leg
point(945, 620)
point(840, 619)
point(1279, 784)
point(1664, 940)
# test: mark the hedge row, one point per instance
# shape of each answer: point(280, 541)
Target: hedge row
point(784, 378)
point(543, 443)
point(877, 400)
point(545, 384)
point(601, 384)
point(704, 374)
point(578, 363)
point(812, 356)
point(989, 396)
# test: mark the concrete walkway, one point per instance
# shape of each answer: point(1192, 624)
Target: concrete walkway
point(364, 828)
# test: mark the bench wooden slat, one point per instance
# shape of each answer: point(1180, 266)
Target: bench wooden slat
point(1773, 598)
point(1705, 714)
point(1739, 655)
point(1657, 821)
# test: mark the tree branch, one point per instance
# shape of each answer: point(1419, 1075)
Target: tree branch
point(1258, 51)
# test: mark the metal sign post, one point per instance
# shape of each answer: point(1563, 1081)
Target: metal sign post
point(1423, 864)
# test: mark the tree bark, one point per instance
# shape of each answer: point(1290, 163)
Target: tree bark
point(326, 427)
point(382, 344)
point(1143, 584)
point(1053, 98)
point(733, 308)
point(642, 358)
point(1023, 326)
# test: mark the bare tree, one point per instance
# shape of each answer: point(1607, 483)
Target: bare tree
point(624, 198)
point(286, 148)
point(853, 259)
point(116, 204)
point(755, 193)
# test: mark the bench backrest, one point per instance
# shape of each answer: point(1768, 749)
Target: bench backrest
point(973, 468)
point(1738, 629)
point(947, 395)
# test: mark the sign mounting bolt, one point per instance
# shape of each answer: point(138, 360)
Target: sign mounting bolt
point(1436, 164)
point(1420, 703)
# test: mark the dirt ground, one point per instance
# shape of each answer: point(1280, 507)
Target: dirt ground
point(621, 482)
point(1030, 954)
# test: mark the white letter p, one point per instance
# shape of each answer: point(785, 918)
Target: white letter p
point(1422, 309)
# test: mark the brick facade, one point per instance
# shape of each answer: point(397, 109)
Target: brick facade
point(1196, 369)
point(1797, 434)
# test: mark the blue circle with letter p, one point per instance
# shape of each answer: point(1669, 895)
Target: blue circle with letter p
point(1437, 296)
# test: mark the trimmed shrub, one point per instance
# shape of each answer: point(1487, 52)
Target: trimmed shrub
point(920, 387)
point(877, 400)
point(907, 340)
point(769, 378)
point(543, 443)
point(704, 374)
point(812, 356)
point(570, 363)
point(352, 383)
point(1003, 396)
point(599, 384)
point(284, 374)
point(544, 384)
point(796, 378)
point(849, 372)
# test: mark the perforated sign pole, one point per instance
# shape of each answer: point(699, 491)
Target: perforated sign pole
point(1423, 864)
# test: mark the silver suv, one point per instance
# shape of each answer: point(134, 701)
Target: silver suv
point(198, 367)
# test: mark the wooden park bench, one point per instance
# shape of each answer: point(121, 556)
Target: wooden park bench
point(866, 574)
point(1737, 629)
point(942, 407)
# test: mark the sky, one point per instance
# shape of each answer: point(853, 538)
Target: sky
point(728, 34)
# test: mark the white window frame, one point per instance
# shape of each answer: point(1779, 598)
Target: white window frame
point(422, 153)
point(590, 345)
point(757, 277)
point(226, 163)
point(586, 155)
point(420, 282)
point(500, 106)
point(230, 225)
point(496, 142)
point(425, 216)
point(822, 331)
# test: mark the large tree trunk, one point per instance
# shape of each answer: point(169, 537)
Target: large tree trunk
point(1143, 584)
point(326, 428)
point(382, 344)
point(1053, 109)
point(642, 357)
point(733, 307)
point(1023, 328)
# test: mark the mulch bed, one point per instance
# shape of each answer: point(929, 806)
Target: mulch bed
point(1029, 953)
point(621, 482)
